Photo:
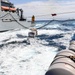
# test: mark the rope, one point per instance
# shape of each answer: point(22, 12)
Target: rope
point(39, 15)
point(51, 22)
point(15, 20)
point(19, 23)
point(4, 15)
point(66, 12)
point(45, 24)
point(51, 14)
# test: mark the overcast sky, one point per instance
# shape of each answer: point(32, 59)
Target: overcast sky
point(46, 7)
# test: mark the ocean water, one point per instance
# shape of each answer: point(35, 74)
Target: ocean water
point(22, 56)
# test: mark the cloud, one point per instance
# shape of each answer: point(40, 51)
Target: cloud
point(40, 8)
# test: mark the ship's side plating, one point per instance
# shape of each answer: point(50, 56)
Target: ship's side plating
point(12, 20)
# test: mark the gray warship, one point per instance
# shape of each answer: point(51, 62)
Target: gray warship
point(12, 18)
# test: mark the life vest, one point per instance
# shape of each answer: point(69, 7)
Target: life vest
point(7, 8)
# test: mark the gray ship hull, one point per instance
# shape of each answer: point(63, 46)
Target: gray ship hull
point(10, 20)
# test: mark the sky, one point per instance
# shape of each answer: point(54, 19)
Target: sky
point(24, 1)
point(46, 8)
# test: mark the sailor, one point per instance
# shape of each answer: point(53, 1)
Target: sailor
point(33, 19)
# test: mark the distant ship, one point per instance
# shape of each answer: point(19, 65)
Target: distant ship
point(12, 18)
